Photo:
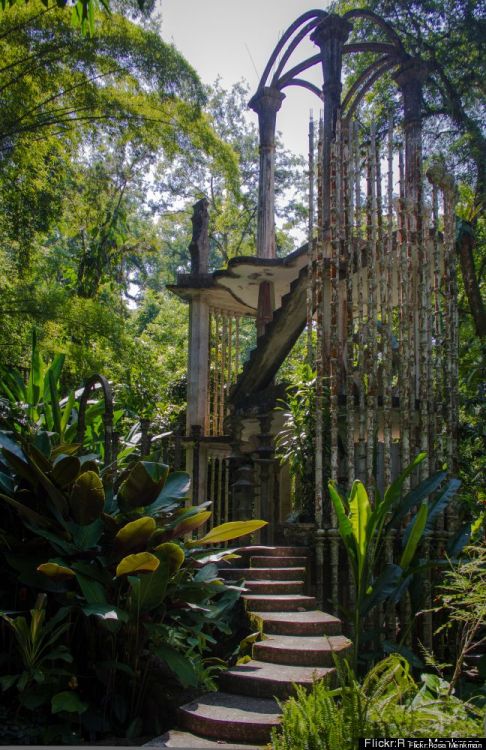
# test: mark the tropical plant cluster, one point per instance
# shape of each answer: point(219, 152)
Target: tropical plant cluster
point(125, 610)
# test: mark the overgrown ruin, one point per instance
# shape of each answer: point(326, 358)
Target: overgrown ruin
point(376, 287)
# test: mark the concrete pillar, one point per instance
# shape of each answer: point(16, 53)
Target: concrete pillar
point(266, 104)
point(410, 78)
point(330, 36)
point(198, 359)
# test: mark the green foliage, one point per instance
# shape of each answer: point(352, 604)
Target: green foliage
point(121, 574)
point(295, 442)
point(364, 528)
point(388, 703)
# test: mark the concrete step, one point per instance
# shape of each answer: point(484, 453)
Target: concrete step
point(266, 680)
point(286, 561)
point(275, 587)
point(278, 603)
point(274, 551)
point(187, 741)
point(305, 651)
point(298, 623)
point(254, 574)
point(229, 717)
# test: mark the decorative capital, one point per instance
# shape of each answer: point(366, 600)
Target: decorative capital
point(331, 27)
point(267, 100)
point(413, 70)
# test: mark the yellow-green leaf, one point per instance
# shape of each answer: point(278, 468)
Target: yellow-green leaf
point(194, 522)
point(135, 533)
point(142, 562)
point(53, 570)
point(231, 530)
point(172, 554)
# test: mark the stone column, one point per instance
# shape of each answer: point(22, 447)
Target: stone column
point(266, 462)
point(330, 36)
point(198, 364)
point(266, 104)
point(409, 79)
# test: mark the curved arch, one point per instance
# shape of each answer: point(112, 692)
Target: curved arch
point(293, 45)
point(284, 39)
point(361, 80)
point(305, 85)
point(389, 49)
point(379, 21)
point(304, 65)
point(107, 416)
point(367, 85)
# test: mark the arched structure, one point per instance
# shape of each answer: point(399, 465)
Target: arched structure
point(376, 282)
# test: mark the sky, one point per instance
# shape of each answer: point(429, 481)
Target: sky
point(233, 39)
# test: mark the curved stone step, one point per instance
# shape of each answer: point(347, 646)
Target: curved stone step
point(186, 740)
point(275, 587)
point(253, 574)
point(231, 717)
point(273, 551)
point(313, 622)
point(265, 680)
point(278, 603)
point(303, 650)
point(286, 561)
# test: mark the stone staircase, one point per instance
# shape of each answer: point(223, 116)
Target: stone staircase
point(296, 649)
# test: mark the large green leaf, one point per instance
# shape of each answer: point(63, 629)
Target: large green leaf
point(142, 485)
point(180, 665)
point(142, 562)
point(415, 536)
point(345, 527)
point(36, 376)
point(65, 470)
point(87, 498)
point(415, 497)
point(68, 701)
point(56, 571)
point(393, 492)
point(11, 445)
point(93, 591)
point(134, 534)
point(27, 513)
point(382, 588)
point(230, 530)
point(191, 523)
point(105, 612)
point(176, 487)
point(171, 554)
point(151, 588)
point(54, 397)
point(441, 503)
point(359, 516)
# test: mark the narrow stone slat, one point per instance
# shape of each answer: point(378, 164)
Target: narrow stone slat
point(266, 561)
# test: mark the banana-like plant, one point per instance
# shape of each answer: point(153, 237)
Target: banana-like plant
point(364, 527)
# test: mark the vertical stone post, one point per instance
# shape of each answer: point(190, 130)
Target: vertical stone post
point(198, 364)
point(266, 104)
point(409, 79)
point(266, 463)
point(330, 36)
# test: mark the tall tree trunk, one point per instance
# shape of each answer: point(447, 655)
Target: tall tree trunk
point(465, 244)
